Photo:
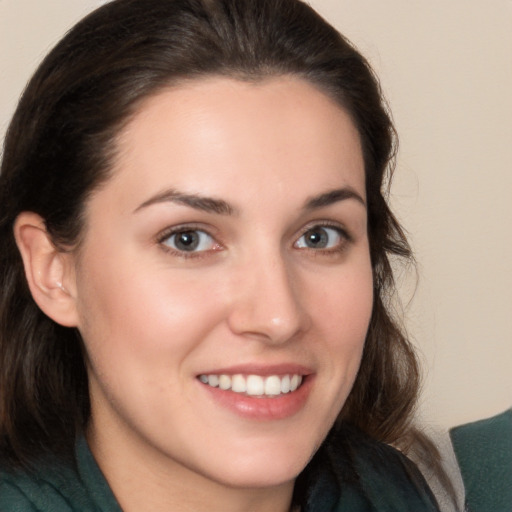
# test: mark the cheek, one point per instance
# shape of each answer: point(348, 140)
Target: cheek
point(342, 309)
point(135, 318)
point(344, 305)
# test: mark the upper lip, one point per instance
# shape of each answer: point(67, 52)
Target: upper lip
point(261, 369)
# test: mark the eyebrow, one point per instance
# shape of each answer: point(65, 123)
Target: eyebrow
point(333, 196)
point(221, 207)
point(207, 204)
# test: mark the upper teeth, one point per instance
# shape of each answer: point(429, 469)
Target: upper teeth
point(254, 385)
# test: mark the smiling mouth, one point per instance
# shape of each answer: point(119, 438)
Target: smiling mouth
point(255, 386)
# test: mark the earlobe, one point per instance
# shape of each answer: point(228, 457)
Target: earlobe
point(49, 271)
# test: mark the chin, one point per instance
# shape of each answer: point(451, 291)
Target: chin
point(264, 467)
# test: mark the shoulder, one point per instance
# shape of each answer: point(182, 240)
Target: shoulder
point(55, 485)
point(13, 498)
point(45, 488)
point(388, 476)
point(366, 475)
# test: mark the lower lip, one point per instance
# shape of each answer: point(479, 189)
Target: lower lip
point(262, 408)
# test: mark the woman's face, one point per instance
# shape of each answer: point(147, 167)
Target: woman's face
point(224, 286)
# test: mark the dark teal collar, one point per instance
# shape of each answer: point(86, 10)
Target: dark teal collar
point(93, 479)
point(353, 473)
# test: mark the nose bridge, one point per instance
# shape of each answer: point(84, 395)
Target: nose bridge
point(268, 302)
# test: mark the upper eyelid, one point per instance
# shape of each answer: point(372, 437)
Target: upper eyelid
point(189, 226)
point(325, 224)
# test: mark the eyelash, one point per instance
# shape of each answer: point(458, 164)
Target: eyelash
point(170, 232)
point(345, 238)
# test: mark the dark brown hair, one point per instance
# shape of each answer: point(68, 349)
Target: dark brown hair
point(60, 147)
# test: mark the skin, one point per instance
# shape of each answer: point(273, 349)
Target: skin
point(153, 318)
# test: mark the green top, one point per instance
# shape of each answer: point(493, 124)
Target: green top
point(359, 476)
point(484, 453)
point(59, 487)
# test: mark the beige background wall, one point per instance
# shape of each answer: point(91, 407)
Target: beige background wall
point(446, 68)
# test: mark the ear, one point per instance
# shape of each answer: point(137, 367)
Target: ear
point(49, 271)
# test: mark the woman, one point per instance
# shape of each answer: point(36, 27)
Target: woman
point(196, 267)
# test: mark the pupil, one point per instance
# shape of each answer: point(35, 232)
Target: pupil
point(187, 241)
point(316, 238)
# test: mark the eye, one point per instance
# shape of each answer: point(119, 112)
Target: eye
point(321, 237)
point(189, 240)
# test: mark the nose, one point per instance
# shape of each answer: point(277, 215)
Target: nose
point(267, 302)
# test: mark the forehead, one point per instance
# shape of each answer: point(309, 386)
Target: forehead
point(281, 132)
